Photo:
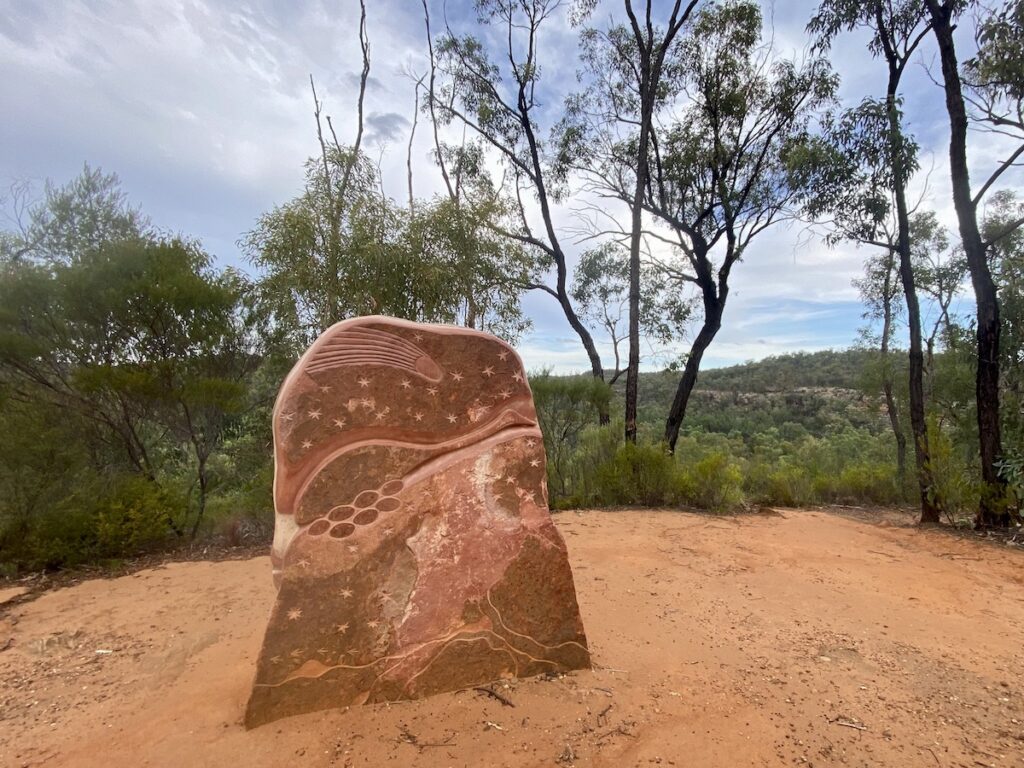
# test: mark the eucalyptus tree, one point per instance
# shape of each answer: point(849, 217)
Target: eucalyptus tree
point(1007, 261)
point(991, 82)
point(481, 272)
point(497, 99)
point(135, 334)
point(71, 220)
point(718, 160)
point(334, 251)
point(624, 65)
point(874, 135)
point(602, 290)
point(939, 271)
point(880, 293)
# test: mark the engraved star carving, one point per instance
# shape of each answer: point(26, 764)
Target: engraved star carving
point(373, 624)
point(380, 415)
point(363, 381)
point(418, 336)
point(452, 418)
point(314, 414)
point(366, 403)
point(505, 394)
point(275, 659)
point(457, 375)
point(346, 592)
point(341, 629)
point(488, 371)
point(531, 443)
point(325, 389)
point(296, 654)
point(303, 563)
point(418, 416)
point(340, 423)
point(406, 384)
point(535, 462)
point(432, 391)
point(503, 355)
point(294, 614)
point(287, 416)
point(307, 444)
point(517, 376)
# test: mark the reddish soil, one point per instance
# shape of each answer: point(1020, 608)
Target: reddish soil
point(800, 638)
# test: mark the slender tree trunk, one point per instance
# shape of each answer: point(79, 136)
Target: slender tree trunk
point(714, 305)
point(918, 424)
point(561, 270)
point(986, 298)
point(203, 487)
point(887, 378)
point(642, 170)
point(897, 431)
point(585, 338)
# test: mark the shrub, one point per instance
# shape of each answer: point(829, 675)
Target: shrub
point(956, 489)
point(107, 518)
point(713, 483)
point(643, 474)
point(566, 406)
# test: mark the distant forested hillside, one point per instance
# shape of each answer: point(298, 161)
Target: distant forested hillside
point(830, 368)
point(811, 393)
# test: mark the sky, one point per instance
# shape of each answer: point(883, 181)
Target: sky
point(204, 111)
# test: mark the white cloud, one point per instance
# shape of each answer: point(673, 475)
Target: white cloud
point(204, 109)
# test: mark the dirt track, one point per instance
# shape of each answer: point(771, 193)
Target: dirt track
point(800, 639)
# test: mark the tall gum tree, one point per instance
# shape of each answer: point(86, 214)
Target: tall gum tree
point(994, 87)
point(876, 137)
point(500, 105)
point(718, 158)
point(614, 116)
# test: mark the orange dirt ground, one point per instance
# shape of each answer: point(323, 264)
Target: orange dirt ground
point(800, 638)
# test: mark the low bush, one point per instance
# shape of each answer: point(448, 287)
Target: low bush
point(714, 483)
point(106, 519)
point(643, 474)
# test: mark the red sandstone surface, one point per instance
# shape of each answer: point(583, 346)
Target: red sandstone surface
point(413, 547)
point(793, 640)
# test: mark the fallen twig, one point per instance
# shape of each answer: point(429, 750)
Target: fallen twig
point(505, 702)
point(622, 730)
point(848, 723)
point(879, 552)
point(408, 737)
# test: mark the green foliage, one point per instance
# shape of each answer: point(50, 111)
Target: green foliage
point(714, 483)
point(342, 249)
point(477, 275)
point(565, 407)
point(721, 174)
point(956, 486)
point(601, 291)
point(796, 447)
point(102, 519)
point(639, 474)
point(996, 72)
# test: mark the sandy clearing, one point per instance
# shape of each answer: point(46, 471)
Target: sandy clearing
point(804, 638)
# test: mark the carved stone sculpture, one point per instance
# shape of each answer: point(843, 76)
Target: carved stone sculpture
point(413, 549)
